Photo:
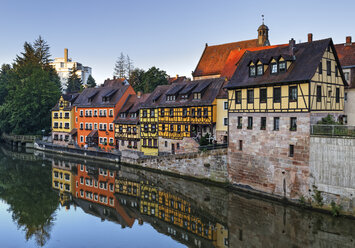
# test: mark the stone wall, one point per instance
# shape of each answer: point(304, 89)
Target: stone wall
point(264, 163)
point(207, 165)
point(126, 144)
point(332, 167)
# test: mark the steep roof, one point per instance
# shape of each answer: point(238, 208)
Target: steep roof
point(304, 64)
point(214, 57)
point(69, 97)
point(131, 105)
point(209, 89)
point(346, 54)
point(235, 56)
point(114, 82)
point(97, 96)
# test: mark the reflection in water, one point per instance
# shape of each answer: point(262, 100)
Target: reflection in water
point(191, 213)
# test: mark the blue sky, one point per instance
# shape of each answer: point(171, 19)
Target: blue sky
point(168, 34)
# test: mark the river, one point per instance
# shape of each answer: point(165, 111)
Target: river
point(51, 201)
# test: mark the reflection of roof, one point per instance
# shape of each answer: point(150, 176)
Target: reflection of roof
point(213, 58)
point(305, 64)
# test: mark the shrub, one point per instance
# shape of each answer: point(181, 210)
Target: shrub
point(317, 196)
point(335, 208)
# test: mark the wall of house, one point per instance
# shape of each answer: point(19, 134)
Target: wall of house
point(332, 168)
point(349, 109)
point(186, 145)
point(264, 163)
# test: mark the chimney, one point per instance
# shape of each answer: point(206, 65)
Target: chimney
point(139, 94)
point(310, 37)
point(66, 55)
point(348, 40)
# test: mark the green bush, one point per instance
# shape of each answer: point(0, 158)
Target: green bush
point(335, 208)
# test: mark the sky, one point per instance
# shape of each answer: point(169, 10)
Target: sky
point(170, 35)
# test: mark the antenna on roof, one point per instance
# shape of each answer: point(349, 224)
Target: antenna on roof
point(262, 16)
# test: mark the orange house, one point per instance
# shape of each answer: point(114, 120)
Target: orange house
point(95, 111)
point(96, 185)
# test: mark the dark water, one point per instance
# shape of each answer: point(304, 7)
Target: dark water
point(51, 201)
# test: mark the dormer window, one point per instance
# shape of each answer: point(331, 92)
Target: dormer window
point(170, 98)
point(197, 95)
point(184, 96)
point(273, 68)
point(260, 70)
point(252, 71)
point(282, 66)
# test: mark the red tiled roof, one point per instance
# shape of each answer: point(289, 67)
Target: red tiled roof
point(346, 53)
point(235, 56)
point(213, 58)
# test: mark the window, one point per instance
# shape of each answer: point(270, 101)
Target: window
point(345, 96)
point(197, 95)
point(166, 143)
point(152, 113)
point(205, 112)
point(171, 112)
point(178, 146)
point(120, 129)
point(225, 105)
point(250, 96)
point(319, 93)
point(238, 97)
point(81, 126)
point(184, 112)
point(293, 124)
point(110, 127)
point(240, 145)
point(95, 113)
point(81, 113)
point(329, 67)
point(282, 66)
point(199, 113)
point(292, 91)
point(145, 127)
point(111, 113)
point(337, 95)
point(163, 127)
point(276, 123)
point(171, 128)
point(193, 113)
point(320, 66)
point(273, 68)
point(178, 128)
point(162, 112)
point(292, 150)
point(260, 70)
point(250, 123)
point(81, 138)
point(252, 71)
point(144, 113)
point(263, 123)
point(154, 128)
point(277, 94)
point(346, 75)
point(155, 143)
point(122, 142)
point(240, 121)
point(225, 121)
point(263, 95)
point(186, 128)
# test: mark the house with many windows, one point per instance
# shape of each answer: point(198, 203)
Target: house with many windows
point(63, 119)
point(95, 111)
point(274, 97)
point(127, 125)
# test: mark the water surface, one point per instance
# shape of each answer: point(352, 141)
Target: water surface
point(52, 201)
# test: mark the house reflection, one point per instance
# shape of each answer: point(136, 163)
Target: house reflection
point(122, 200)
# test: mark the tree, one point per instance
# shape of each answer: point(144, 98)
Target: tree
point(129, 66)
point(136, 79)
point(91, 82)
point(32, 88)
point(120, 67)
point(74, 83)
point(154, 77)
point(5, 72)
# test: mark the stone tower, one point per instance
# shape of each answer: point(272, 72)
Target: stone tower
point(263, 35)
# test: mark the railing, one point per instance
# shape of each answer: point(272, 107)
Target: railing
point(213, 147)
point(333, 130)
point(22, 138)
point(100, 154)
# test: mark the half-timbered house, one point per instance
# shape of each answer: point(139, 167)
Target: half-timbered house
point(274, 96)
point(127, 126)
point(187, 112)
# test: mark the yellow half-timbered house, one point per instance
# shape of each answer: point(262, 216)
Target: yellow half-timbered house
point(127, 126)
point(63, 119)
point(187, 112)
point(274, 97)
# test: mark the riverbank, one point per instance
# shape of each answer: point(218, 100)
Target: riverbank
point(207, 167)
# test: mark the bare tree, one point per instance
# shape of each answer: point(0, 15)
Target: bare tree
point(120, 67)
point(129, 66)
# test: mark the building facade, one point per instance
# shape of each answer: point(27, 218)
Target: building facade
point(65, 65)
point(127, 125)
point(63, 119)
point(274, 97)
point(95, 111)
point(346, 54)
